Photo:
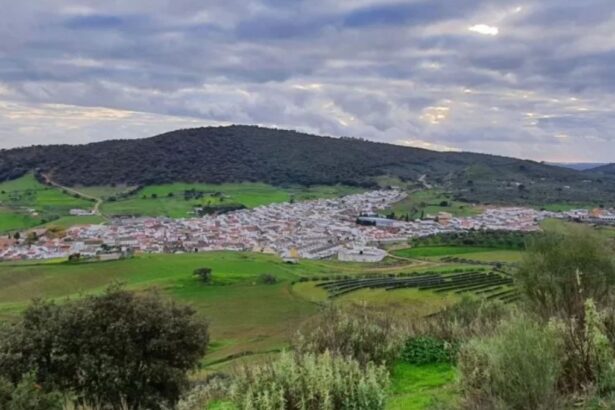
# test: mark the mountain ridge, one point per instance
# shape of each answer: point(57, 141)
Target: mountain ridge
point(239, 153)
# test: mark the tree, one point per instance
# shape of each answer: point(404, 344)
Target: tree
point(205, 274)
point(118, 349)
point(31, 238)
point(268, 279)
point(562, 269)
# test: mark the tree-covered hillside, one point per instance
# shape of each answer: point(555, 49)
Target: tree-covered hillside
point(604, 169)
point(279, 157)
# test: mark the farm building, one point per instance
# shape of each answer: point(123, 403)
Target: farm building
point(361, 254)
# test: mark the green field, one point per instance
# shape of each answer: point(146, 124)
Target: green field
point(244, 314)
point(249, 321)
point(25, 203)
point(430, 202)
point(419, 387)
point(431, 251)
point(169, 200)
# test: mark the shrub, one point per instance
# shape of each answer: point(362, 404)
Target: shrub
point(589, 361)
point(357, 333)
point(561, 270)
point(204, 274)
point(114, 349)
point(471, 317)
point(27, 395)
point(311, 382)
point(518, 368)
point(426, 350)
point(268, 279)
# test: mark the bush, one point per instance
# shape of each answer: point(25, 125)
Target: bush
point(561, 270)
point(268, 279)
point(471, 317)
point(116, 349)
point(311, 382)
point(357, 333)
point(426, 350)
point(27, 395)
point(518, 368)
point(204, 274)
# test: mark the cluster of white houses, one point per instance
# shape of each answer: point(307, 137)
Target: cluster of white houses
point(348, 228)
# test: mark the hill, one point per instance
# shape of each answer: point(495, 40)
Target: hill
point(281, 157)
point(579, 166)
point(608, 169)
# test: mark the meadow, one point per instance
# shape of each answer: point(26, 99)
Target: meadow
point(25, 203)
point(178, 200)
point(249, 319)
point(430, 202)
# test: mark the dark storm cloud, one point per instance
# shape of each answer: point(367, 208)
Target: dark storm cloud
point(528, 78)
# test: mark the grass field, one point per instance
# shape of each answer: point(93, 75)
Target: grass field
point(25, 203)
point(245, 315)
point(169, 200)
point(419, 387)
point(430, 202)
point(249, 321)
point(430, 251)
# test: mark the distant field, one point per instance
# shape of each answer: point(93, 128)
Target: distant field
point(103, 192)
point(430, 201)
point(482, 254)
point(430, 251)
point(23, 195)
point(68, 221)
point(563, 207)
point(11, 219)
point(170, 200)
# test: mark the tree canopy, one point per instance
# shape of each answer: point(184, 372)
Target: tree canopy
point(118, 348)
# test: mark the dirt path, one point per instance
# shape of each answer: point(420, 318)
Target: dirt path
point(99, 201)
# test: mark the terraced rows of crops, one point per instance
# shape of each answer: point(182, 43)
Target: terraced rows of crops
point(490, 285)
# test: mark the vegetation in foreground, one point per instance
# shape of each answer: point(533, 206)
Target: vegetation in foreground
point(553, 349)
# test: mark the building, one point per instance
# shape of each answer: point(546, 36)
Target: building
point(361, 254)
point(444, 218)
point(375, 221)
point(80, 212)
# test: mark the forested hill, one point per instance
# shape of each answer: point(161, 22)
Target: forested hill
point(249, 153)
point(605, 169)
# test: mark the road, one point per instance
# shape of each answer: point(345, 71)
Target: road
point(99, 201)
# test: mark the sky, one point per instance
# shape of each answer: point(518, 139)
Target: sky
point(530, 79)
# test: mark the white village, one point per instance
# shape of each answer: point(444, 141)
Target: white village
point(347, 228)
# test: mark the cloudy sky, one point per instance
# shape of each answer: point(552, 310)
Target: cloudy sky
point(532, 79)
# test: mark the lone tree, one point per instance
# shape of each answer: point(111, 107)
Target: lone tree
point(116, 350)
point(204, 274)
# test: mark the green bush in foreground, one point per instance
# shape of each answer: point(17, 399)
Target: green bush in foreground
point(358, 333)
point(518, 368)
point(311, 382)
point(115, 350)
point(426, 350)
